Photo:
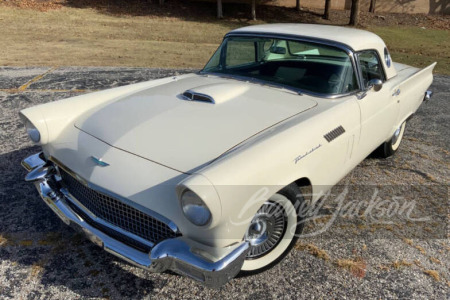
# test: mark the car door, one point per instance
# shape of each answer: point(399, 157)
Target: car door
point(379, 110)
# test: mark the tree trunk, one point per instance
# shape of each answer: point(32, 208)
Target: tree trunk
point(354, 14)
point(326, 15)
point(297, 5)
point(372, 6)
point(254, 9)
point(219, 9)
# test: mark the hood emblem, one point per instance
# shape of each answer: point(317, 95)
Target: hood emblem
point(99, 161)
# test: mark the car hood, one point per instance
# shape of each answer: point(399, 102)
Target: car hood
point(161, 125)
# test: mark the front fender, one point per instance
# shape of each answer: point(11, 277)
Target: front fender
point(249, 175)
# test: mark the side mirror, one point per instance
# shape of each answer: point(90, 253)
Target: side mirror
point(376, 84)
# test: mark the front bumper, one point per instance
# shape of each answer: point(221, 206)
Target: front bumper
point(175, 254)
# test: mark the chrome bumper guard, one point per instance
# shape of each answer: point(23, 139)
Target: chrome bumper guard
point(173, 254)
point(427, 96)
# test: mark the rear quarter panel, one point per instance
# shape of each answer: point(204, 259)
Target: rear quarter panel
point(413, 85)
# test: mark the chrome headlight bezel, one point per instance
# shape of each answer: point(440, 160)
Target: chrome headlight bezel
point(33, 133)
point(194, 208)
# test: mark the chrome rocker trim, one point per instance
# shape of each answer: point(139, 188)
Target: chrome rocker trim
point(171, 254)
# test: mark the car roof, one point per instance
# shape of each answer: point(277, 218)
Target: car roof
point(354, 38)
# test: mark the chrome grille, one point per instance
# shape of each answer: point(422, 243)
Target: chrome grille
point(116, 212)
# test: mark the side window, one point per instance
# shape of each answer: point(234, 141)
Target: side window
point(240, 53)
point(371, 67)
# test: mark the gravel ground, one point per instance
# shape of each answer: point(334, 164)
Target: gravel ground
point(42, 258)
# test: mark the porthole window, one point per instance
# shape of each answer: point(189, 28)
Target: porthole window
point(387, 57)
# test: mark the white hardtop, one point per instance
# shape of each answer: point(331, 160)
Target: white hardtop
point(355, 39)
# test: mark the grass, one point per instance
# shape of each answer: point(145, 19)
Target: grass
point(434, 274)
point(401, 263)
point(420, 248)
point(408, 241)
point(418, 47)
point(313, 250)
point(26, 243)
point(356, 266)
point(86, 37)
point(3, 240)
point(51, 239)
point(37, 268)
point(435, 260)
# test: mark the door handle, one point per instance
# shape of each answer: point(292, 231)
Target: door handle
point(396, 93)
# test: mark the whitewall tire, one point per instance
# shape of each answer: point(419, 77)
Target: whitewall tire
point(274, 230)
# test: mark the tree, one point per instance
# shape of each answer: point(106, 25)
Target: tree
point(372, 6)
point(326, 14)
point(297, 5)
point(254, 9)
point(219, 9)
point(354, 14)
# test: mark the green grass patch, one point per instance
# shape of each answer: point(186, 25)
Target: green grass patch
point(418, 47)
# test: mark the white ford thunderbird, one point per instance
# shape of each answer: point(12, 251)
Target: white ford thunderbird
point(201, 173)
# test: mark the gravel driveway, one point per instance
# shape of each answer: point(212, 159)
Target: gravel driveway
point(41, 258)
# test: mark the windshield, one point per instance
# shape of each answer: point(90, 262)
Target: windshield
point(300, 65)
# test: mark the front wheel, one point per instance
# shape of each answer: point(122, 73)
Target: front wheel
point(390, 147)
point(274, 230)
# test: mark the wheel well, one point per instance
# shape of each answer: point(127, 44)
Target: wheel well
point(305, 186)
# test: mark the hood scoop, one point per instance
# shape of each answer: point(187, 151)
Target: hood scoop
point(215, 93)
point(194, 96)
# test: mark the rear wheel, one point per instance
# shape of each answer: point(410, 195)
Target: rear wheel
point(390, 147)
point(274, 230)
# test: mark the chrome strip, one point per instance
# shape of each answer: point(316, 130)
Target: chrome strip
point(58, 205)
point(342, 46)
point(108, 193)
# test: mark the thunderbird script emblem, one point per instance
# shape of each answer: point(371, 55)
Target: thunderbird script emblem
point(99, 161)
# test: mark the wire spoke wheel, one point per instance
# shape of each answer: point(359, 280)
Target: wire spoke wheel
point(266, 229)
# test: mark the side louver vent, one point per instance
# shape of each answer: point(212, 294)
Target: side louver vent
point(334, 133)
point(193, 96)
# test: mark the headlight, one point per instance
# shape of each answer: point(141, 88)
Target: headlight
point(33, 133)
point(194, 208)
